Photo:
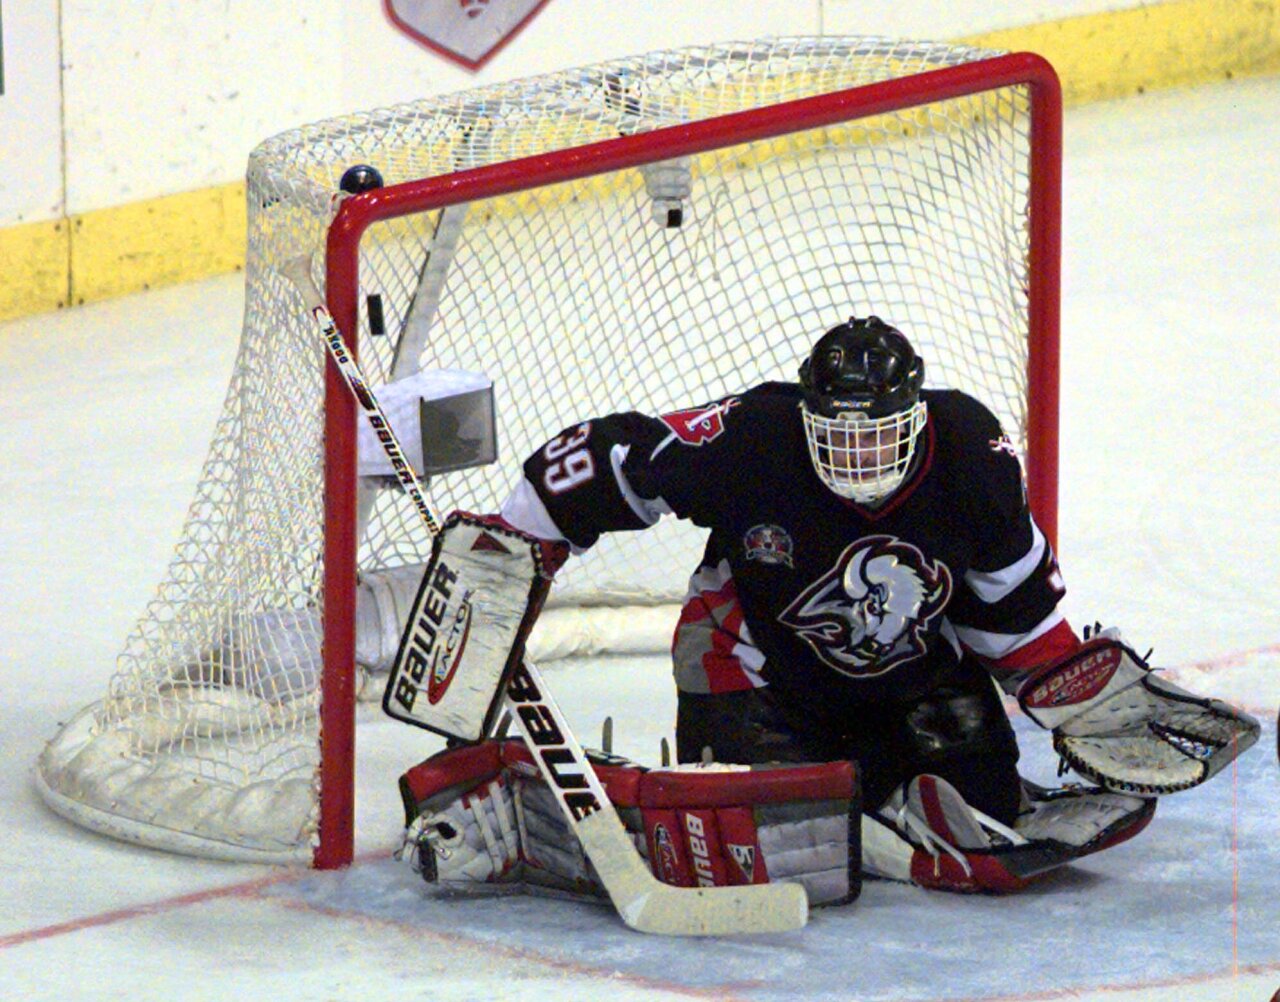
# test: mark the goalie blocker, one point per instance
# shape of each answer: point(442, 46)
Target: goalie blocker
point(479, 598)
point(481, 817)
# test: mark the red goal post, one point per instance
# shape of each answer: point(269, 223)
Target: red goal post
point(357, 213)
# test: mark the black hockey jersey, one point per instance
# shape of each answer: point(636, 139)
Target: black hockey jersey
point(807, 592)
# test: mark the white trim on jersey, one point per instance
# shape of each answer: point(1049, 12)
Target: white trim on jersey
point(525, 511)
point(998, 645)
point(648, 511)
point(708, 579)
point(992, 586)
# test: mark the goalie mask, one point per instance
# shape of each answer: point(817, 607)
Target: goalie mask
point(862, 409)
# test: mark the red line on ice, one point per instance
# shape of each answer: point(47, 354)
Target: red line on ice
point(254, 888)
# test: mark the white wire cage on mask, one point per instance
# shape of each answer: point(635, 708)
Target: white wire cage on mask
point(862, 458)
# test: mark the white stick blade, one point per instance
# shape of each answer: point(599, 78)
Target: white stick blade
point(648, 905)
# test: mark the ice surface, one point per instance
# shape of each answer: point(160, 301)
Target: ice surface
point(1169, 527)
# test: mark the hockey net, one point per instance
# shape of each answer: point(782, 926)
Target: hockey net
point(717, 209)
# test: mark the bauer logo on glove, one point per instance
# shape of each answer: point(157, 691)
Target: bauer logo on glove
point(1076, 682)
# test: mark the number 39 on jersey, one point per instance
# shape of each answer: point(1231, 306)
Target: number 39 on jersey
point(569, 461)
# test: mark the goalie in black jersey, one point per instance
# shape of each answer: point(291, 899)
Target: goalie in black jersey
point(872, 566)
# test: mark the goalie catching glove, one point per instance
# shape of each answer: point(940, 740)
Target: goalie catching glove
point(481, 818)
point(1117, 723)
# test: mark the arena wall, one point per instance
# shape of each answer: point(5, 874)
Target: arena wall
point(126, 127)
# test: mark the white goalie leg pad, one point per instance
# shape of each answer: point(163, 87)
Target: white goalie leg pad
point(475, 824)
point(481, 819)
point(1118, 724)
point(553, 858)
point(812, 848)
point(481, 815)
point(472, 840)
point(723, 825)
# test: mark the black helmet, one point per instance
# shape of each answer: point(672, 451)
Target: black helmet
point(864, 367)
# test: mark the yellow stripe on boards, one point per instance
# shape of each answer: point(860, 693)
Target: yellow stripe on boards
point(1181, 43)
point(178, 238)
point(161, 241)
point(34, 258)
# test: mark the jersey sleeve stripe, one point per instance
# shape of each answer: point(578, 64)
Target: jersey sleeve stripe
point(648, 511)
point(992, 586)
point(995, 646)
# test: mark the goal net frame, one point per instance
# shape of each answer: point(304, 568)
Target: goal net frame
point(331, 840)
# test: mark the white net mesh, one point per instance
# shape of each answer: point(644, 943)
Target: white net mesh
point(579, 298)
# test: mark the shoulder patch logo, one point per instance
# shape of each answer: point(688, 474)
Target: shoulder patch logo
point(769, 544)
point(1003, 444)
point(869, 613)
point(700, 425)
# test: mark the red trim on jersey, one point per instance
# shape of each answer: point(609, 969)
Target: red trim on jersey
point(724, 669)
point(906, 489)
point(1057, 643)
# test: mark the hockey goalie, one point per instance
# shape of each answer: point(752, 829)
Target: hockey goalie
point(872, 580)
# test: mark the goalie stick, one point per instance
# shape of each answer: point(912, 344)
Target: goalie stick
point(644, 902)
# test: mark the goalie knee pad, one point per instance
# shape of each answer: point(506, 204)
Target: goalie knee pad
point(715, 825)
point(481, 816)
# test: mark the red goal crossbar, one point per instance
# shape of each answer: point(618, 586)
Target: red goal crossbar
point(357, 212)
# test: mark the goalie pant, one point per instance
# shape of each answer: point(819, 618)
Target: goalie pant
point(481, 815)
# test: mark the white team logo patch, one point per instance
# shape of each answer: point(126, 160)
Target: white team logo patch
point(869, 613)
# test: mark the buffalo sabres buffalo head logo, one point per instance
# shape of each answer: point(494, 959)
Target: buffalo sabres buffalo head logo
point(870, 611)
